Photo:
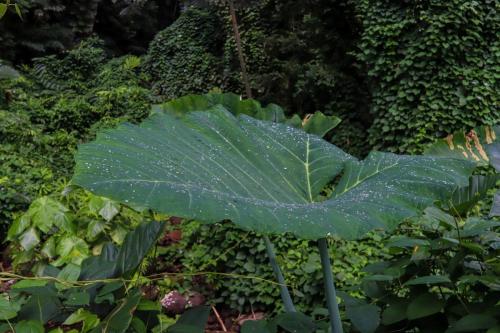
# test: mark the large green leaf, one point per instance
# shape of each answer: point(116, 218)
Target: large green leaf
point(263, 176)
point(316, 123)
point(467, 145)
point(113, 262)
point(494, 154)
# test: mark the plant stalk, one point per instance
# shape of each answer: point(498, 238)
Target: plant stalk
point(239, 48)
point(331, 295)
point(285, 294)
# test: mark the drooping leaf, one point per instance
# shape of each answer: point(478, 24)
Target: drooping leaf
point(3, 9)
point(467, 145)
point(113, 262)
point(118, 321)
point(365, 317)
point(192, 321)
point(263, 176)
point(464, 198)
point(494, 155)
point(495, 207)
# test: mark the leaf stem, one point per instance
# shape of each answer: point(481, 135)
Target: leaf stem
point(331, 296)
point(285, 294)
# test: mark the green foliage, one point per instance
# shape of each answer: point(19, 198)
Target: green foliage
point(442, 277)
point(242, 257)
point(263, 176)
point(71, 297)
point(433, 68)
point(68, 229)
point(183, 58)
point(51, 108)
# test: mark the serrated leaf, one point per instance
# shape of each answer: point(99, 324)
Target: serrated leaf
point(263, 176)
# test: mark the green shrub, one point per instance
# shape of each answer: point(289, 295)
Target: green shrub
point(433, 68)
point(241, 255)
point(67, 227)
point(183, 58)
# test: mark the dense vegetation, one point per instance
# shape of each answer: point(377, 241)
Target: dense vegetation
point(415, 247)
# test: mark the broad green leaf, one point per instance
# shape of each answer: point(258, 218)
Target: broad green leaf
point(109, 210)
point(403, 242)
point(43, 305)
point(394, 313)
point(192, 321)
point(138, 325)
point(68, 274)
point(472, 323)
point(316, 123)
point(46, 212)
point(23, 284)
point(71, 249)
point(263, 176)
point(49, 248)
point(464, 198)
point(3, 9)
point(118, 321)
point(365, 317)
point(424, 305)
point(18, 11)
point(295, 322)
point(95, 228)
point(8, 310)
point(78, 298)
point(88, 319)
point(230, 101)
point(29, 326)
point(29, 239)
point(319, 124)
point(494, 154)
point(467, 145)
point(20, 224)
point(113, 262)
point(256, 326)
point(430, 279)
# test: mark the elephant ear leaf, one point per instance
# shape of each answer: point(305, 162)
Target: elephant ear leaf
point(316, 123)
point(467, 145)
point(264, 176)
point(494, 154)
